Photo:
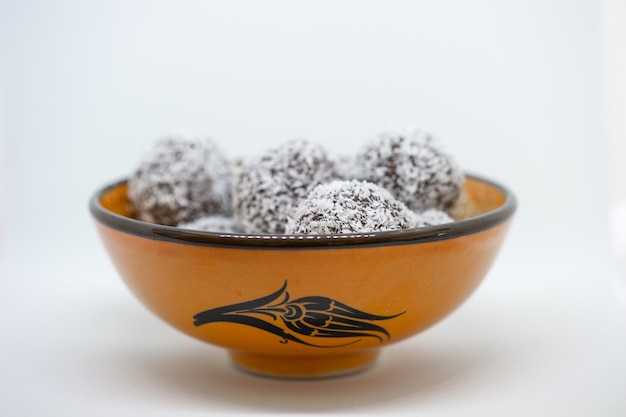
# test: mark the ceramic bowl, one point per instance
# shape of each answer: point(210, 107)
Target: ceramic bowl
point(305, 306)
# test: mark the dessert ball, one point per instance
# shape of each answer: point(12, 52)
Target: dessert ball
point(351, 206)
point(180, 179)
point(268, 188)
point(212, 223)
point(431, 217)
point(344, 166)
point(413, 166)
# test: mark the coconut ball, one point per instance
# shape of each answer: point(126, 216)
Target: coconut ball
point(212, 223)
point(269, 187)
point(350, 206)
point(413, 166)
point(344, 166)
point(181, 178)
point(431, 217)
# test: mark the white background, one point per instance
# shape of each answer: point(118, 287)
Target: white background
point(518, 89)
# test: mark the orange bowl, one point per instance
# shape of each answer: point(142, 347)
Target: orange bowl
point(305, 306)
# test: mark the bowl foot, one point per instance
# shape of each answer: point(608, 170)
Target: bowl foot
point(320, 366)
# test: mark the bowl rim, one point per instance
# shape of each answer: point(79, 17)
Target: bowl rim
point(174, 234)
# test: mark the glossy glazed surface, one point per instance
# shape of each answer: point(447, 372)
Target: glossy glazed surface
point(484, 204)
point(315, 309)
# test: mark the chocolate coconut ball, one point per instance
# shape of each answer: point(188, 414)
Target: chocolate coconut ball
point(180, 179)
point(414, 167)
point(268, 188)
point(431, 217)
point(212, 223)
point(341, 207)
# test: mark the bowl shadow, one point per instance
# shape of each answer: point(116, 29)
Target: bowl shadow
point(204, 375)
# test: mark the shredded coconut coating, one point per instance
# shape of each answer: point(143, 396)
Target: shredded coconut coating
point(431, 217)
point(268, 188)
point(413, 166)
point(213, 223)
point(181, 178)
point(341, 207)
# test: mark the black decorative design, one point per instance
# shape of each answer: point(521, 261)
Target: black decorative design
point(313, 316)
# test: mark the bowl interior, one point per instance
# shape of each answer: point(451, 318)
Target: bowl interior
point(483, 204)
